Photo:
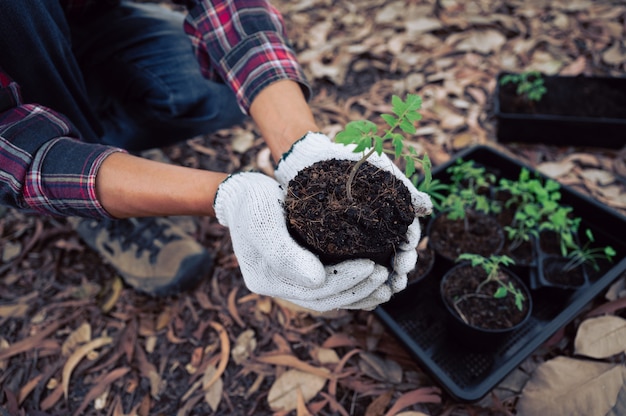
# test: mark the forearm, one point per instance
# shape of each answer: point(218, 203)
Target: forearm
point(282, 115)
point(129, 186)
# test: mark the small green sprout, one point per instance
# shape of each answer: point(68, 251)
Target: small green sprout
point(537, 208)
point(561, 222)
point(364, 134)
point(529, 84)
point(492, 266)
point(467, 191)
point(524, 226)
point(588, 255)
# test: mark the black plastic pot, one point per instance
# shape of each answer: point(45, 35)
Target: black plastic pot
point(551, 267)
point(474, 337)
point(496, 236)
point(426, 262)
point(555, 119)
point(417, 315)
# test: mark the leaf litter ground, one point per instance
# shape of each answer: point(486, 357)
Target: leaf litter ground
point(75, 340)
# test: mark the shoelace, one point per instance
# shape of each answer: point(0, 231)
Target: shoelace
point(147, 234)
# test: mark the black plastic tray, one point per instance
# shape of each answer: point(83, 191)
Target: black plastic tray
point(563, 129)
point(417, 315)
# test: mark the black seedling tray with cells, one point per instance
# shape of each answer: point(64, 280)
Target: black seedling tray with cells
point(417, 316)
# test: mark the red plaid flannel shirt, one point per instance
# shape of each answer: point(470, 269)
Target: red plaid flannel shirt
point(44, 167)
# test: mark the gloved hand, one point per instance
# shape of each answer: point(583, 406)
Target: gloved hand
point(273, 263)
point(316, 147)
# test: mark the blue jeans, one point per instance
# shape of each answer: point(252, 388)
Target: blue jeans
point(125, 77)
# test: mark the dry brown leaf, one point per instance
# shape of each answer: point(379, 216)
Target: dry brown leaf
point(575, 68)
point(615, 55)
point(224, 354)
point(339, 339)
point(212, 392)
point(378, 405)
point(616, 290)
point(116, 290)
point(28, 387)
point(4, 344)
point(52, 398)
point(242, 140)
point(301, 409)
point(422, 24)
point(101, 387)
point(463, 140)
point(325, 355)
point(565, 386)
point(585, 159)
point(382, 369)
point(245, 344)
point(545, 62)
point(283, 393)
point(601, 337)
point(291, 361)
point(164, 318)
point(232, 307)
point(80, 335)
point(598, 176)
point(556, 169)
point(482, 41)
point(11, 251)
point(77, 356)
point(421, 395)
point(264, 305)
point(14, 310)
point(31, 343)
point(149, 371)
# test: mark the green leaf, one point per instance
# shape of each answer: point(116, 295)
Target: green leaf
point(398, 106)
point(397, 141)
point(414, 102)
point(413, 116)
point(410, 167)
point(500, 293)
point(391, 120)
point(378, 145)
point(407, 127)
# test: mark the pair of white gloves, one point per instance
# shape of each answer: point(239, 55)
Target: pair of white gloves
point(272, 263)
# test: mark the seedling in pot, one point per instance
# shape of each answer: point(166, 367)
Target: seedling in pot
point(466, 192)
point(564, 225)
point(467, 174)
point(533, 201)
point(528, 190)
point(530, 84)
point(493, 267)
point(586, 254)
point(364, 135)
point(524, 227)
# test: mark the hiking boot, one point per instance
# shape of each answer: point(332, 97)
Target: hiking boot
point(152, 255)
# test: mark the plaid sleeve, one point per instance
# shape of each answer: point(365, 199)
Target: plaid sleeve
point(43, 167)
point(243, 43)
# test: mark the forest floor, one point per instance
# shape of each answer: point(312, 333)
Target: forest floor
point(75, 341)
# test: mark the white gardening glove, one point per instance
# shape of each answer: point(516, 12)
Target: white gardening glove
point(274, 264)
point(316, 147)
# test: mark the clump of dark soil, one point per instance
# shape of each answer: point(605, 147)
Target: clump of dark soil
point(481, 309)
point(321, 218)
point(481, 235)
